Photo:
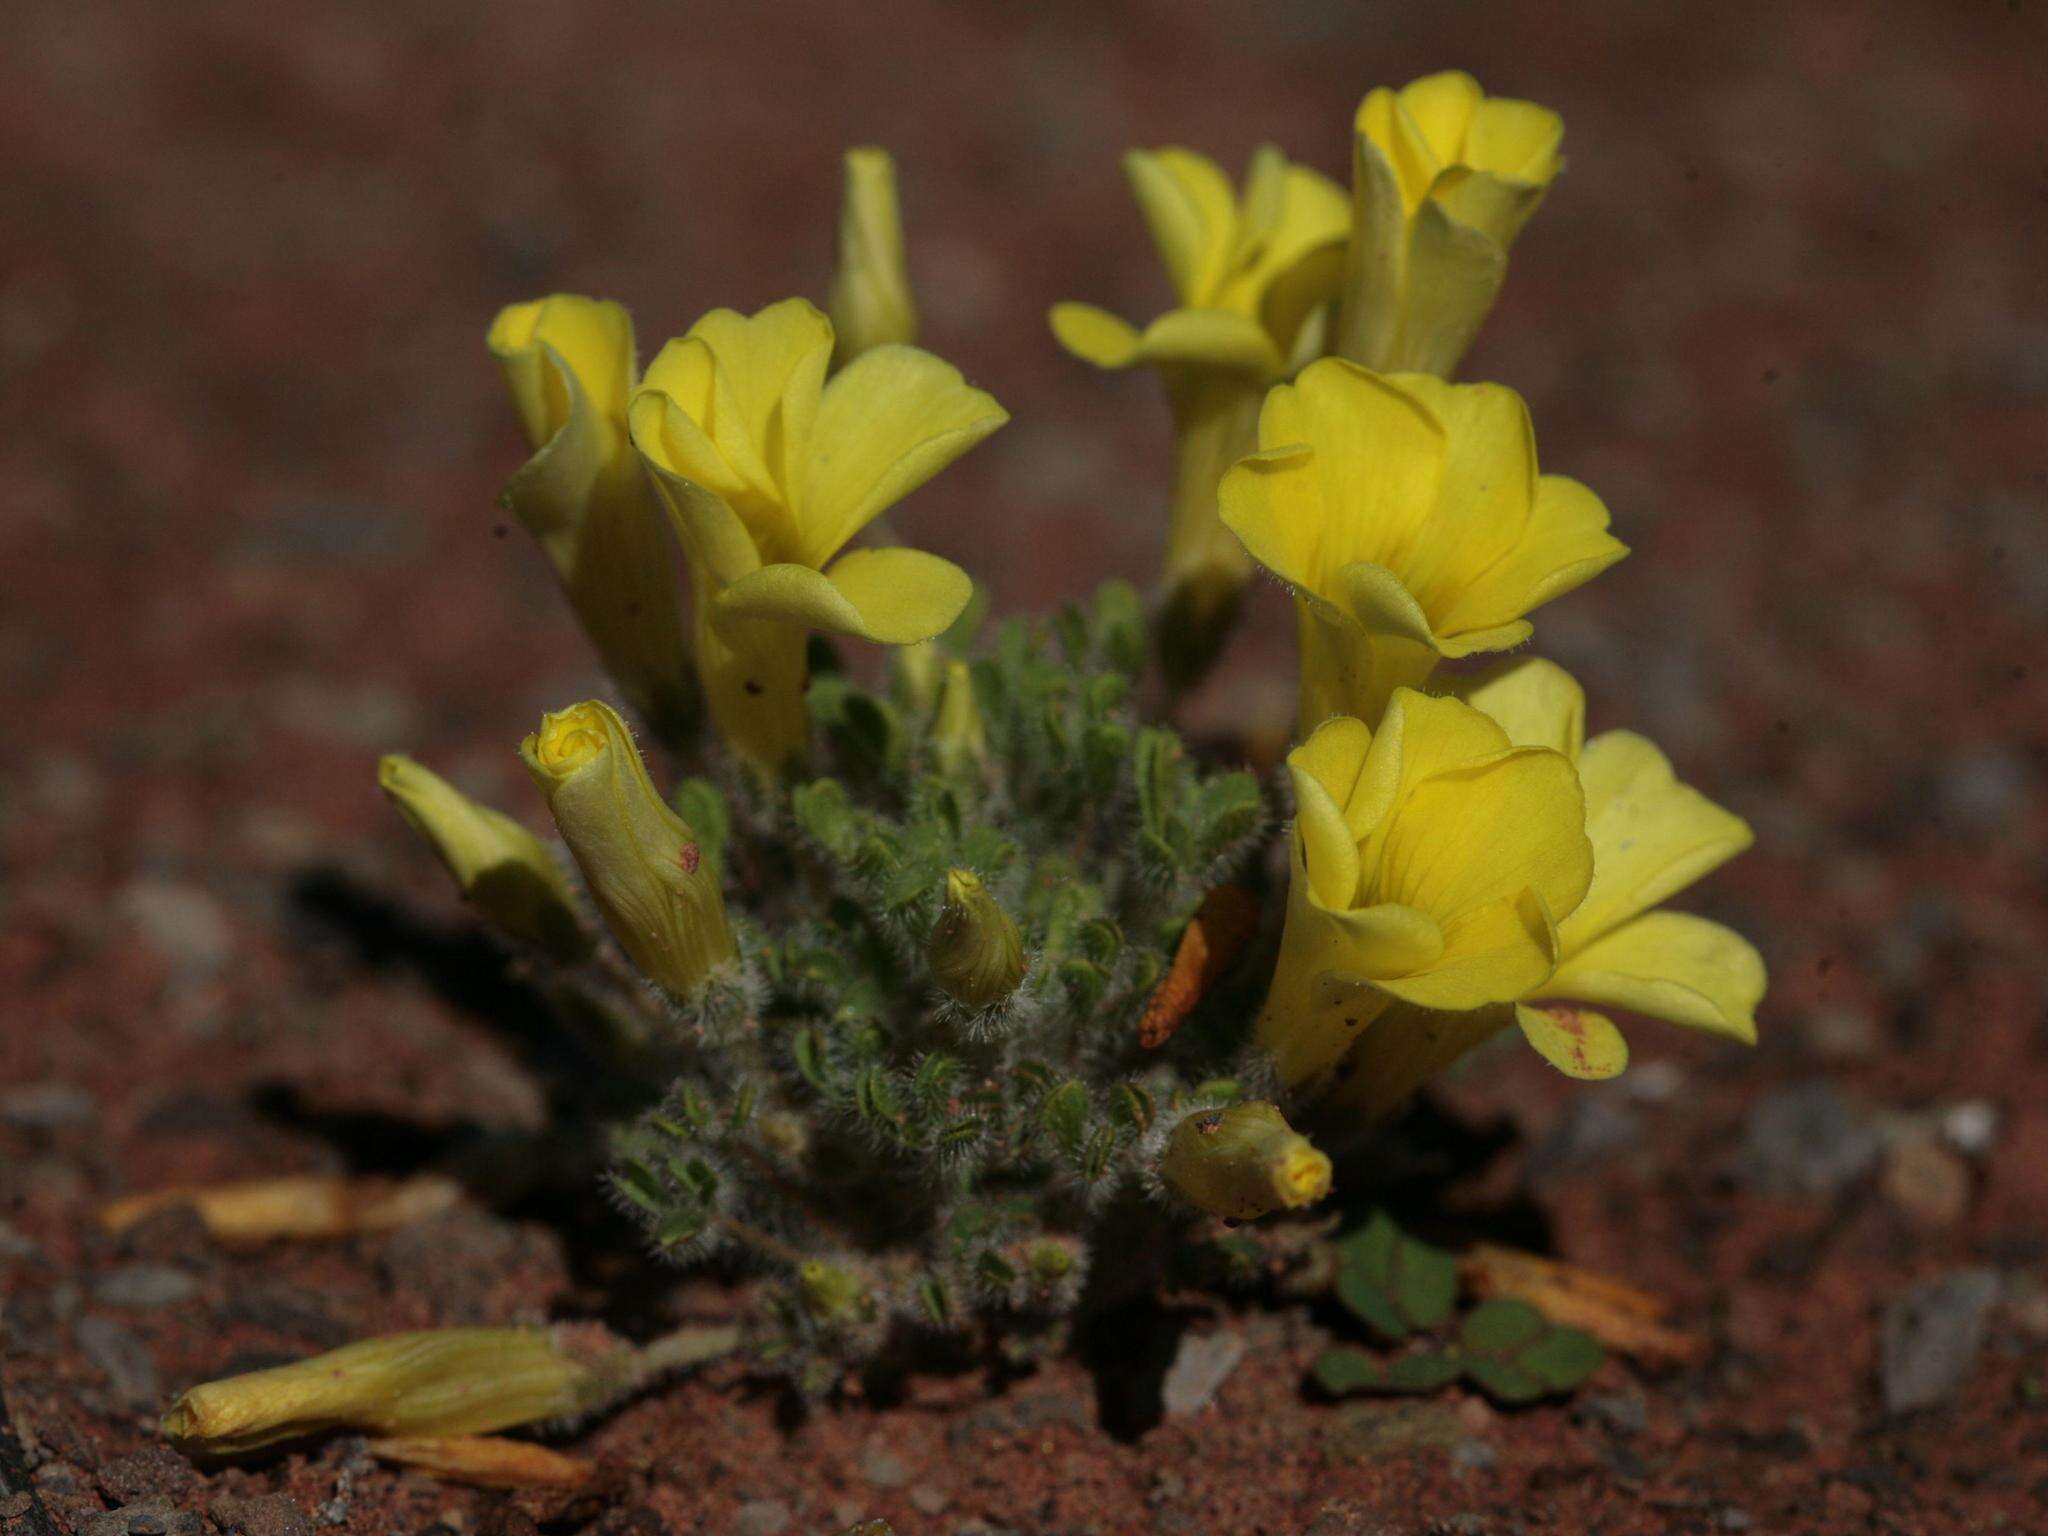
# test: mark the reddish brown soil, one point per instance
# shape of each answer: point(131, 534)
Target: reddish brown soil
point(1786, 311)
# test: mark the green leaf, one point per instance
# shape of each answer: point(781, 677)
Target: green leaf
point(826, 815)
point(700, 804)
point(1430, 1371)
point(1517, 1355)
point(1345, 1370)
point(1395, 1284)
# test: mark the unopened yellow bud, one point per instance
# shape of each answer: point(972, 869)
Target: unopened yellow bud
point(449, 1381)
point(507, 873)
point(644, 866)
point(871, 304)
point(975, 951)
point(959, 739)
point(923, 671)
point(1243, 1162)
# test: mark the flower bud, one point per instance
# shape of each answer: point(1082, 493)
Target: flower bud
point(975, 951)
point(959, 740)
point(1243, 1162)
point(922, 670)
point(833, 1295)
point(448, 1381)
point(644, 866)
point(870, 304)
point(504, 871)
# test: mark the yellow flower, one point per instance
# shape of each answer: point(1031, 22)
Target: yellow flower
point(1652, 836)
point(644, 866)
point(504, 871)
point(768, 471)
point(1432, 863)
point(1252, 276)
point(1443, 178)
point(870, 302)
point(1408, 517)
point(569, 364)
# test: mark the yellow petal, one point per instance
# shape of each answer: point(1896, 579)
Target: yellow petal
point(871, 303)
point(1405, 1047)
point(1472, 836)
point(887, 423)
point(771, 365)
point(1494, 205)
point(681, 462)
point(1442, 107)
point(1327, 848)
point(1426, 737)
point(1652, 836)
point(1493, 954)
point(1670, 965)
point(1515, 139)
point(1565, 545)
point(890, 596)
point(1576, 1041)
point(1391, 128)
point(1191, 210)
point(1486, 491)
point(1376, 259)
point(1536, 702)
point(1200, 338)
point(543, 345)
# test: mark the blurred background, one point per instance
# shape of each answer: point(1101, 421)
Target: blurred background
point(1786, 310)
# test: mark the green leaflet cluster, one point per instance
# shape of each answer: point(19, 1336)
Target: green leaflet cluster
point(898, 1157)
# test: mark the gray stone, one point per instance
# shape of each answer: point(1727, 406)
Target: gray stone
point(181, 922)
point(1932, 1336)
point(761, 1517)
point(122, 1358)
point(1619, 1413)
point(140, 1287)
point(1595, 1125)
point(1807, 1139)
point(1200, 1367)
point(47, 1107)
point(1474, 1456)
point(927, 1500)
point(1971, 1127)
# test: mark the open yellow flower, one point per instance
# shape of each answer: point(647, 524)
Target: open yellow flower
point(870, 303)
point(1443, 179)
point(1409, 519)
point(1252, 276)
point(1652, 836)
point(768, 471)
point(569, 364)
point(1432, 863)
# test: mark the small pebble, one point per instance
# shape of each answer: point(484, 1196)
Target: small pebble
point(1926, 1182)
point(180, 922)
point(927, 1500)
point(761, 1517)
point(1807, 1139)
point(1200, 1367)
point(1971, 1127)
point(122, 1358)
point(1932, 1337)
point(1474, 1456)
point(47, 1107)
point(140, 1287)
point(882, 1467)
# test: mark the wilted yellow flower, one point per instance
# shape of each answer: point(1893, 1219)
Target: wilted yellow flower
point(1408, 517)
point(1252, 276)
point(870, 304)
point(506, 872)
point(569, 363)
point(768, 471)
point(1652, 836)
point(1243, 1162)
point(1443, 178)
point(644, 866)
point(1432, 863)
point(447, 1381)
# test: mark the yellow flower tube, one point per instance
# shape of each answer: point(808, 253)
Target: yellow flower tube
point(767, 471)
point(569, 365)
point(1408, 517)
point(1651, 836)
point(1443, 179)
point(1251, 275)
point(644, 866)
point(870, 303)
point(1432, 861)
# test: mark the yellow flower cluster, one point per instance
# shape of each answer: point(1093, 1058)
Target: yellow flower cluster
point(1461, 859)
